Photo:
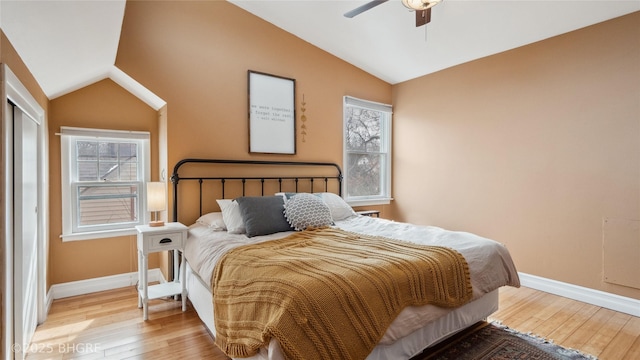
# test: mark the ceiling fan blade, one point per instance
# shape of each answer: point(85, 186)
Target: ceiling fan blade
point(363, 8)
point(423, 17)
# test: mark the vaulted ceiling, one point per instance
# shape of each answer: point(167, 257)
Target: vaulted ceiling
point(69, 44)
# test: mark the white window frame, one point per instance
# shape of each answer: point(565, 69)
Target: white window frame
point(385, 151)
point(70, 229)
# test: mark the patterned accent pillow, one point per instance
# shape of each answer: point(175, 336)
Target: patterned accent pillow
point(307, 210)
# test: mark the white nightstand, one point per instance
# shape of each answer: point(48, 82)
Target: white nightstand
point(171, 236)
point(371, 213)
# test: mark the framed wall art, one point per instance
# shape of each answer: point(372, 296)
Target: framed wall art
point(272, 114)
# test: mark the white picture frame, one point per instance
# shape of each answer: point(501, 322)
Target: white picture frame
point(272, 114)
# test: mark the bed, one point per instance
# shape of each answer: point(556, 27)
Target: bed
point(216, 233)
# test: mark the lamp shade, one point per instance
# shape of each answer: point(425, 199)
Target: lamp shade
point(156, 196)
point(420, 4)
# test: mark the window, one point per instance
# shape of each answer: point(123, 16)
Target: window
point(367, 152)
point(103, 177)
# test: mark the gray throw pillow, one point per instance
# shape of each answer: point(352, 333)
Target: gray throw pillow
point(263, 215)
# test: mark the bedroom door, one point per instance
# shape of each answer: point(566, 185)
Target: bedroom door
point(25, 244)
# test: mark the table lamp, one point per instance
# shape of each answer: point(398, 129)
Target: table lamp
point(156, 201)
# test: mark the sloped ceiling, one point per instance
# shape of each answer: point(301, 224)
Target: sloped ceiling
point(385, 42)
point(70, 44)
point(65, 44)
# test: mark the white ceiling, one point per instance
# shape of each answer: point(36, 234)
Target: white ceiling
point(69, 44)
point(385, 42)
point(65, 44)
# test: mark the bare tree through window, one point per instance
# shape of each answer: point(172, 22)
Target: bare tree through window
point(367, 140)
point(363, 151)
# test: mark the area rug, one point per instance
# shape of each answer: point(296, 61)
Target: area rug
point(494, 341)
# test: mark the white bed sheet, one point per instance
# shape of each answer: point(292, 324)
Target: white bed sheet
point(404, 348)
point(490, 264)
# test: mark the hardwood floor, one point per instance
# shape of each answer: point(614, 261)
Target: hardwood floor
point(601, 332)
point(109, 325)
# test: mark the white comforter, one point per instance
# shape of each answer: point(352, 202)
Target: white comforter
point(490, 263)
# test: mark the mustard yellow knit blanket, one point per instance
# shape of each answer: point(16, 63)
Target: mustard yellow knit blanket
point(326, 293)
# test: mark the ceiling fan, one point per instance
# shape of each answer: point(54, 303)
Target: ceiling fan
point(421, 7)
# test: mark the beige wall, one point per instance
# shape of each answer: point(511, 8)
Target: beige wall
point(195, 55)
point(533, 147)
point(103, 105)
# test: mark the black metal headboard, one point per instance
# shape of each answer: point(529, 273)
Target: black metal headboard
point(329, 172)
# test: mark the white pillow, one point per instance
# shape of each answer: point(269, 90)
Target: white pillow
point(339, 208)
point(306, 210)
point(213, 220)
point(231, 216)
point(288, 195)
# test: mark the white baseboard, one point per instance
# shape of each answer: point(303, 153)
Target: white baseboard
point(590, 296)
point(82, 287)
point(48, 302)
point(595, 297)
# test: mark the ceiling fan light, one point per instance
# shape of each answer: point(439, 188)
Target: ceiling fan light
point(420, 4)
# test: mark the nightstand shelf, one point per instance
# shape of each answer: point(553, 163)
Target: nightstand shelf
point(171, 236)
point(164, 290)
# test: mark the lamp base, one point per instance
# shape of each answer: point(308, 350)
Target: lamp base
point(156, 223)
